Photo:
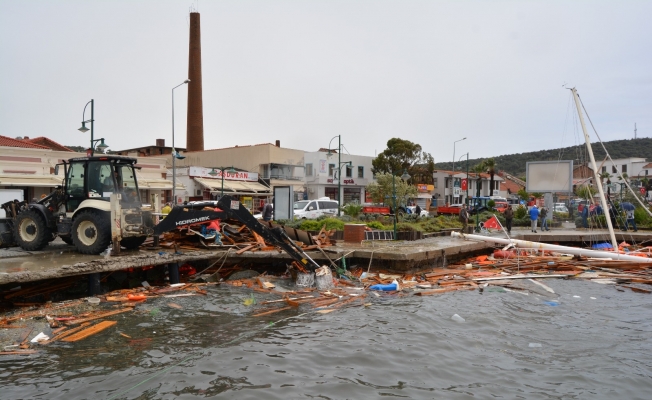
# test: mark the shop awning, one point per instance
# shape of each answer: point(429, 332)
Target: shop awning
point(287, 182)
point(30, 180)
point(155, 182)
point(235, 187)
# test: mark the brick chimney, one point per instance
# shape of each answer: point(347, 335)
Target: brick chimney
point(160, 142)
point(195, 126)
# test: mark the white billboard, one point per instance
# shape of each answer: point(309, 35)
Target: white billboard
point(549, 176)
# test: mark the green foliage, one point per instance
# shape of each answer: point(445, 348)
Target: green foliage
point(310, 225)
point(402, 155)
point(523, 194)
point(333, 223)
point(491, 203)
point(376, 225)
point(520, 212)
point(642, 217)
point(352, 209)
point(585, 191)
point(382, 190)
point(515, 163)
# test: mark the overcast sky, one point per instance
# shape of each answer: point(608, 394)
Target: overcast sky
point(431, 72)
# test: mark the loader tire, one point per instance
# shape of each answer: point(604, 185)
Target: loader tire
point(30, 231)
point(134, 242)
point(91, 231)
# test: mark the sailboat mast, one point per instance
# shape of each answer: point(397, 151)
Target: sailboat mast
point(598, 181)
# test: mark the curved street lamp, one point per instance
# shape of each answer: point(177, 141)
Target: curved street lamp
point(175, 154)
point(404, 177)
point(222, 169)
point(339, 165)
point(84, 129)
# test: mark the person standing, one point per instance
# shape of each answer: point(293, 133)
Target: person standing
point(268, 210)
point(585, 216)
point(509, 216)
point(630, 220)
point(417, 211)
point(534, 216)
point(544, 220)
point(464, 218)
point(166, 209)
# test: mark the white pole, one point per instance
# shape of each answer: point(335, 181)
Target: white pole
point(598, 181)
point(525, 244)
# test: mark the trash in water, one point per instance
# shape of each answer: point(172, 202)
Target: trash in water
point(386, 288)
point(534, 345)
point(40, 337)
point(551, 303)
point(457, 318)
point(592, 298)
point(251, 300)
point(577, 297)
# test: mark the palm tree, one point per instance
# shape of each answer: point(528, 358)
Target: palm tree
point(490, 167)
point(479, 169)
point(604, 175)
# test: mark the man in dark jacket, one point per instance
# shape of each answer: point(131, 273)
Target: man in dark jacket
point(509, 216)
point(268, 211)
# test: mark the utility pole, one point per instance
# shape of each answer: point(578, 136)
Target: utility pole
point(634, 130)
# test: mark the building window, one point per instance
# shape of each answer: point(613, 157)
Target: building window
point(331, 168)
point(646, 172)
point(624, 168)
point(604, 169)
point(349, 171)
point(434, 181)
point(613, 169)
point(360, 172)
point(308, 169)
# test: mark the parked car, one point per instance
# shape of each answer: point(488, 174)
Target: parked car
point(501, 206)
point(412, 209)
point(561, 208)
point(311, 209)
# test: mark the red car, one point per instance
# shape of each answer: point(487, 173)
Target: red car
point(501, 206)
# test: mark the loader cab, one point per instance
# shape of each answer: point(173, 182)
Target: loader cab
point(97, 178)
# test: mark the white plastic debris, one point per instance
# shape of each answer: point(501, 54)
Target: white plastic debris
point(592, 298)
point(457, 318)
point(534, 345)
point(40, 337)
point(577, 297)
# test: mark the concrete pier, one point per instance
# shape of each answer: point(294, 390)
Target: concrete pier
point(59, 260)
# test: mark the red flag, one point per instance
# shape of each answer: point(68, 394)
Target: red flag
point(492, 223)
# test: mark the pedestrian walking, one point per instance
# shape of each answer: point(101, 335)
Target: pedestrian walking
point(417, 211)
point(464, 218)
point(544, 219)
point(630, 220)
point(509, 216)
point(534, 216)
point(268, 210)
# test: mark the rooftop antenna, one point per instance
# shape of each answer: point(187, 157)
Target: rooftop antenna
point(634, 130)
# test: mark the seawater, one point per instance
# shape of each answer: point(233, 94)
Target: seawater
point(509, 346)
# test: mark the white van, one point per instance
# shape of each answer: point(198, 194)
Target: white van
point(311, 209)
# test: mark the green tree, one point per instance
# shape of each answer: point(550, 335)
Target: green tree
point(382, 191)
point(478, 169)
point(404, 155)
point(490, 168)
point(585, 191)
point(523, 194)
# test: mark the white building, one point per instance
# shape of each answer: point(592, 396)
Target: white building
point(450, 188)
point(322, 175)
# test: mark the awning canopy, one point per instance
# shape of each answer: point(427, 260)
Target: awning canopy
point(235, 187)
point(30, 180)
point(155, 182)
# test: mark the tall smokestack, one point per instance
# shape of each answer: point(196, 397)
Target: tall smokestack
point(195, 127)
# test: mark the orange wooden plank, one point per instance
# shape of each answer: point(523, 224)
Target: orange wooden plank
point(89, 331)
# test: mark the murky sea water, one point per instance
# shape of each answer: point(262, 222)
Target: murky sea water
point(510, 346)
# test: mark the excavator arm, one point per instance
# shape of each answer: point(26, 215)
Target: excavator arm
point(182, 216)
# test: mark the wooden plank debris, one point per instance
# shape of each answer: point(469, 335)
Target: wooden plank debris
point(83, 334)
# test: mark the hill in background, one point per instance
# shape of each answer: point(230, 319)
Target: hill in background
point(515, 163)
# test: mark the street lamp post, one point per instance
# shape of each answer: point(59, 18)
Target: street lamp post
point(452, 177)
point(83, 128)
point(405, 177)
point(101, 147)
point(175, 153)
point(339, 164)
point(467, 175)
point(222, 169)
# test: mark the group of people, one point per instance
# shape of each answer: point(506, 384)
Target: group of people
point(535, 214)
point(613, 214)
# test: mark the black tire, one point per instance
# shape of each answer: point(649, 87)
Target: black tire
point(91, 231)
point(133, 242)
point(30, 231)
point(67, 240)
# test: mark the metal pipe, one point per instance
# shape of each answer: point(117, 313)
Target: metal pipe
point(525, 244)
